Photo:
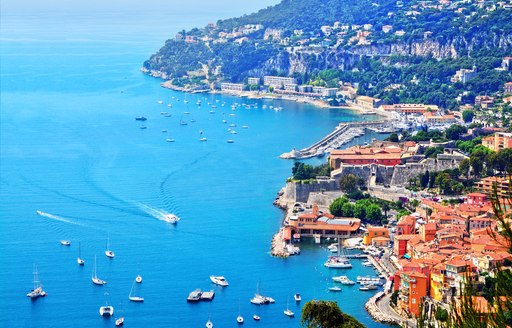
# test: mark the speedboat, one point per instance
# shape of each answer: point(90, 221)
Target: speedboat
point(368, 287)
point(120, 322)
point(65, 242)
point(140, 118)
point(367, 264)
point(256, 317)
point(143, 127)
point(203, 139)
point(169, 140)
point(160, 102)
point(219, 280)
point(138, 279)
point(171, 218)
point(343, 280)
point(107, 310)
point(136, 299)
point(335, 289)
point(297, 297)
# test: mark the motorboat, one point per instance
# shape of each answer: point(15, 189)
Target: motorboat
point(343, 280)
point(140, 118)
point(169, 140)
point(219, 280)
point(335, 289)
point(38, 287)
point(194, 296)
point(368, 287)
point(207, 296)
point(79, 259)
point(171, 218)
point(240, 319)
point(256, 317)
point(94, 277)
point(138, 279)
point(120, 322)
point(367, 264)
point(203, 139)
point(245, 126)
point(160, 102)
point(231, 141)
point(65, 243)
point(297, 297)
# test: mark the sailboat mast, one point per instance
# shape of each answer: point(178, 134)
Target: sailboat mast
point(36, 279)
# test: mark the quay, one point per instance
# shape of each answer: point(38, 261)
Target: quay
point(342, 134)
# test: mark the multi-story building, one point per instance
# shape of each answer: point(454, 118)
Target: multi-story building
point(278, 81)
point(464, 75)
point(498, 141)
point(232, 87)
point(374, 232)
point(400, 244)
point(434, 119)
point(254, 80)
point(506, 64)
point(507, 88)
point(487, 185)
point(368, 102)
point(324, 225)
point(406, 225)
point(413, 290)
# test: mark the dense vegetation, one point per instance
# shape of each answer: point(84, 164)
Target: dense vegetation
point(326, 314)
point(301, 171)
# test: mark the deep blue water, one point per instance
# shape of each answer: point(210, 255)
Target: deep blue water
point(70, 89)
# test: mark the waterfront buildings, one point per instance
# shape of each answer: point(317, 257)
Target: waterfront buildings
point(253, 80)
point(376, 232)
point(388, 154)
point(409, 108)
point(369, 103)
point(322, 224)
point(237, 87)
point(278, 81)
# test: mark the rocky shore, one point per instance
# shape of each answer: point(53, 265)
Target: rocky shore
point(376, 313)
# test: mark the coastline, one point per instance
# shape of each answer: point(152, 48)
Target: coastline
point(259, 95)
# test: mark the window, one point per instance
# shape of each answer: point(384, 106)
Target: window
point(413, 301)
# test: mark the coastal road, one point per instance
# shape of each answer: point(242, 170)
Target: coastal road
point(384, 305)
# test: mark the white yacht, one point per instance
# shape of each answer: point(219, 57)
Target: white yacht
point(343, 280)
point(239, 318)
point(335, 289)
point(65, 243)
point(367, 264)
point(169, 140)
point(203, 139)
point(109, 253)
point(107, 310)
point(297, 297)
point(94, 278)
point(368, 287)
point(38, 288)
point(79, 259)
point(219, 280)
point(256, 317)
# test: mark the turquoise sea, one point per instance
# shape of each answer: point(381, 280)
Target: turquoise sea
point(70, 147)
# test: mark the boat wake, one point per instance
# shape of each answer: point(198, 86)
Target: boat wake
point(58, 218)
point(159, 214)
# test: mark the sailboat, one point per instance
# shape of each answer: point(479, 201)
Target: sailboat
point(203, 138)
point(79, 259)
point(94, 278)
point(108, 252)
point(340, 261)
point(239, 319)
point(288, 312)
point(38, 288)
point(138, 279)
point(132, 296)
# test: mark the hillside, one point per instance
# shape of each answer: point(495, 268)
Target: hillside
point(353, 40)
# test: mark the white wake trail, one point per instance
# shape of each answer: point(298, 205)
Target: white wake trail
point(58, 218)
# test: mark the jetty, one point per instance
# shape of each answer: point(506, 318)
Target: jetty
point(342, 134)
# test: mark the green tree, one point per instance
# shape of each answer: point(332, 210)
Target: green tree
point(373, 213)
point(336, 207)
point(326, 314)
point(348, 183)
point(468, 115)
point(360, 211)
point(393, 137)
point(348, 209)
point(464, 167)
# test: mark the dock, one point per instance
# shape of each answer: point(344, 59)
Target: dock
point(342, 134)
